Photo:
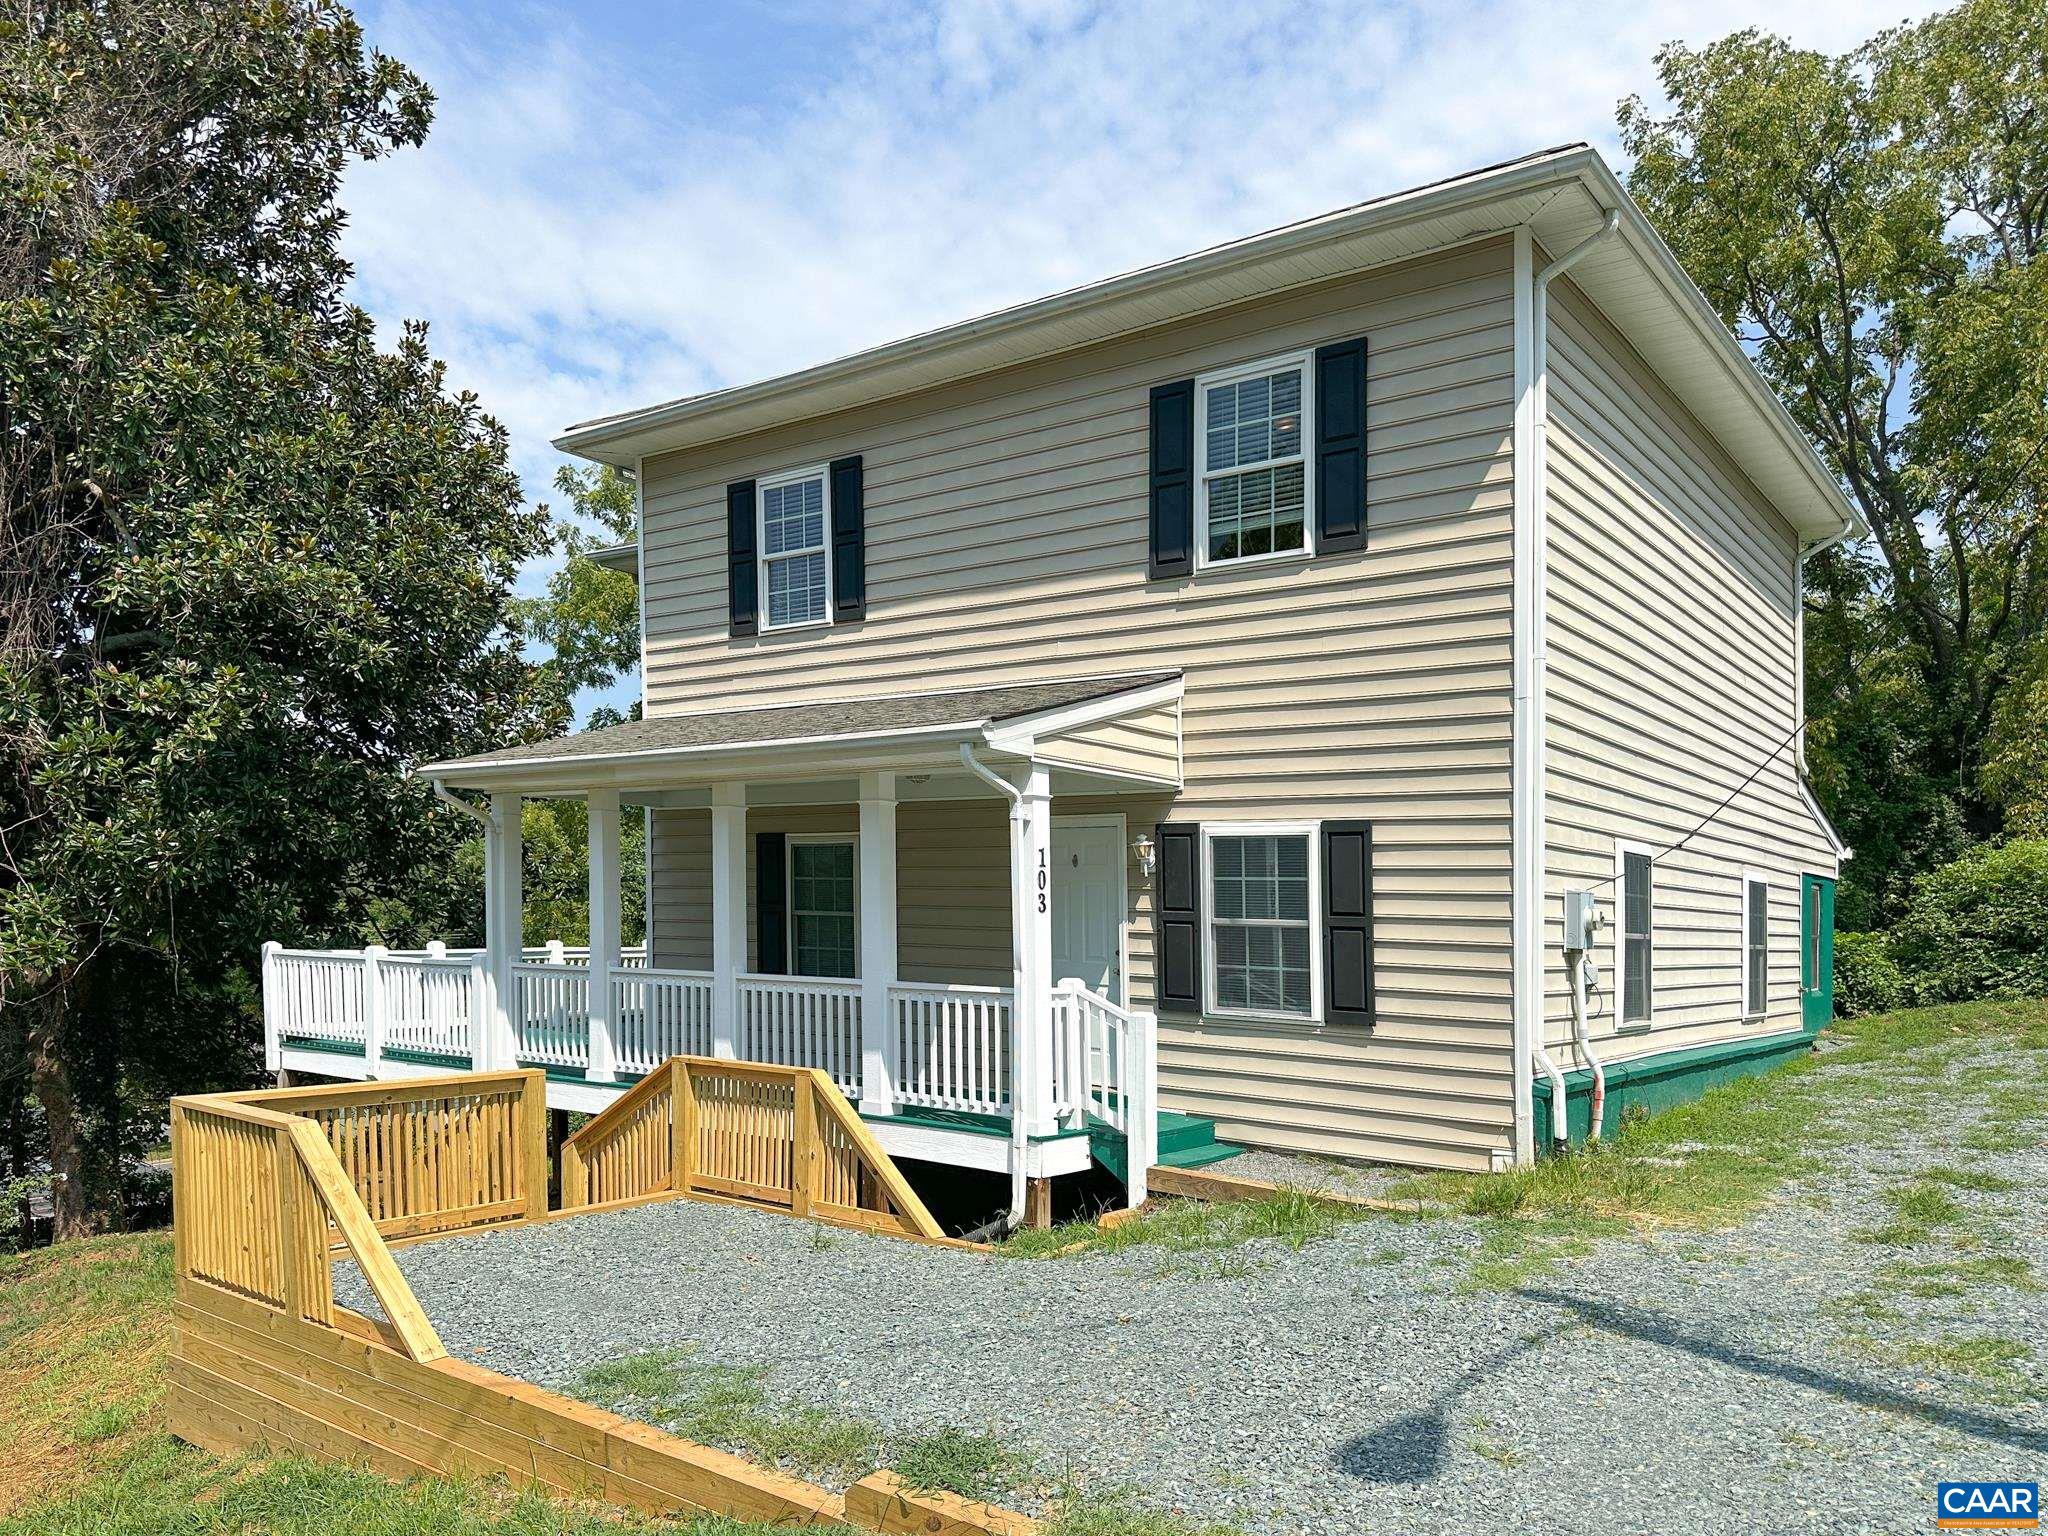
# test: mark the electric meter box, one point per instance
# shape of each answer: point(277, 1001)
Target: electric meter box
point(1581, 919)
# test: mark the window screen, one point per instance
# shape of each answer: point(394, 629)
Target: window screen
point(1756, 927)
point(1259, 924)
point(1253, 468)
point(793, 550)
point(1635, 937)
point(821, 909)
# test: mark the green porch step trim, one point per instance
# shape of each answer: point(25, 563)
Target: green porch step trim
point(966, 1121)
point(1662, 1081)
point(424, 1058)
point(1185, 1141)
point(332, 1047)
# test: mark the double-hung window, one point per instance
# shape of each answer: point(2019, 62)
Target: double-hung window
point(1634, 867)
point(822, 919)
point(1254, 492)
point(1262, 939)
point(1756, 945)
point(796, 566)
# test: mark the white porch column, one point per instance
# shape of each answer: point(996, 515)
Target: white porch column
point(1031, 911)
point(728, 913)
point(373, 1009)
point(878, 1044)
point(603, 808)
point(504, 915)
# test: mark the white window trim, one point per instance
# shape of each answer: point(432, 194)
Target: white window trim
point(1755, 1007)
point(792, 841)
point(1305, 361)
point(762, 486)
point(1622, 848)
point(1310, 830)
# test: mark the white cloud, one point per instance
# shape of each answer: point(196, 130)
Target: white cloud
point(606, 219)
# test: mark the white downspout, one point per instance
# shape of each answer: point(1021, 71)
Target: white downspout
point(442, 794)
point(1019, 1140)
point(1531, 665)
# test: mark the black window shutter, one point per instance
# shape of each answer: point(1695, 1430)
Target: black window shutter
point(771, 904)
point(1173, 479)
point(1179, 961)
point(1340, 446)
point(1347, 923)
point(742, 577)
point(849, 541)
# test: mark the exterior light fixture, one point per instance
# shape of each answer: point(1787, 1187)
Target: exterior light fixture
point(1148, 854)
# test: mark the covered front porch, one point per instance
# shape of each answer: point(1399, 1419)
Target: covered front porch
point(1036, 1078)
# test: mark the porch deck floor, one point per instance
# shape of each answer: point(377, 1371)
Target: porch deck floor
point(1680, 1382)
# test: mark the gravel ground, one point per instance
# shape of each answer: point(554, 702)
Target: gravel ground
point(1758, 1378)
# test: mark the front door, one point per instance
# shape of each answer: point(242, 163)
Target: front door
point(1088, 903)
point(1816, 950)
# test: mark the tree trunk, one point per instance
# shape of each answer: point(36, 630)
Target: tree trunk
point(50, 1079)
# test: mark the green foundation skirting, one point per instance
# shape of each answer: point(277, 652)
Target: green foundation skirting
point(1662, 1081)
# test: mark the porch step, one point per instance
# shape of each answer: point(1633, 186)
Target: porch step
point(1185, 1141)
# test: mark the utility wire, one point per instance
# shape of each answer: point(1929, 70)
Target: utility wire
point(1728, 800)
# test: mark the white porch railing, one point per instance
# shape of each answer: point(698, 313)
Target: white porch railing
point(551, 1014)
point(657, 1014)
point(952, 1046)
point(428, 1003)
point(802, 1021)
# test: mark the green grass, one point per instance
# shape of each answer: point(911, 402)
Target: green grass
point(1119, 1512)
point(1999, 1367)
point(953, 1461)
point(1291, 1216)
point(729, 1406)
point(1970, 1178)
point(1920, 1210)
point(1959, 1277)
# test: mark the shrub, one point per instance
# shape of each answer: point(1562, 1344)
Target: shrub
point(1978, 927)
point(1867, 979)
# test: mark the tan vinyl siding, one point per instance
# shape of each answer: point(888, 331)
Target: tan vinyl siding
point(1006, 541)
point(1673, 592)
point(1146, 741)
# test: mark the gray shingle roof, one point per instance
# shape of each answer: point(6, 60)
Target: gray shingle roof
point(829, 718)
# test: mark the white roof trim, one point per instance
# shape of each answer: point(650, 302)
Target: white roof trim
point(1843, 851)
point(1636, 281)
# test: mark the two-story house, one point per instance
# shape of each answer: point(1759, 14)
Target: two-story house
point(1228, 689)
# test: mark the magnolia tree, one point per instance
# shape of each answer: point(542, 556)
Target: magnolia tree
point(1871, 225)
point(254, 564)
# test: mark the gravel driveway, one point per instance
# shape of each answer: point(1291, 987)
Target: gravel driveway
point(1780, 1375)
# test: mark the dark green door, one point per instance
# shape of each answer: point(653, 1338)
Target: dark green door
point(1816, 950)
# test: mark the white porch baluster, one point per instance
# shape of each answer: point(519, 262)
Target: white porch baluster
point(728, 912)
point(374, 1009)
point(504, 918)
point(878, 1047)
point(603, 807)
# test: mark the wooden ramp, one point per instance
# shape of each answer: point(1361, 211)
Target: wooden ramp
point(781, 1138)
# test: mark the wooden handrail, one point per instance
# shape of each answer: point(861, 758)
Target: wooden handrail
point(789, 1172)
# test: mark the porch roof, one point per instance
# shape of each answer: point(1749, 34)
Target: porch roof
point(873, 731)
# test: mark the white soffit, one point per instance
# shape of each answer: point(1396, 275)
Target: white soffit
point(1561, 194)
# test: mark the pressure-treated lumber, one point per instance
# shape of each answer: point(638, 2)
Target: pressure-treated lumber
point(882, 1501)
point(1195, 1184)
point(245, 1374)
point(784, 1138)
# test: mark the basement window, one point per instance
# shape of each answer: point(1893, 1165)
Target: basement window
point(1756, 946)
point(1634, 869)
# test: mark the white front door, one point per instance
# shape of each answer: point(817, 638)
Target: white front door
point(1088, 903)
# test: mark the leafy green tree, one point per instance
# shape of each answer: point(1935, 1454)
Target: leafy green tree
point(589, 619)
point(253, 565)
point(1871, 225)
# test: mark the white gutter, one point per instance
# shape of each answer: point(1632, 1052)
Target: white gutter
point(1531, 666)
point(442, 794)
point(1019, 1142)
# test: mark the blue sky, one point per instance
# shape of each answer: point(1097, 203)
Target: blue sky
point(621, 203)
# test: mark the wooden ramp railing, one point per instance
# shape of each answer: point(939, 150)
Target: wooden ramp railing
point(255, 1195)
point(780, 1137)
